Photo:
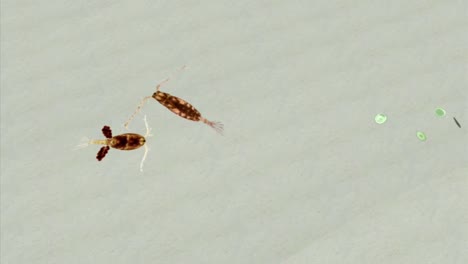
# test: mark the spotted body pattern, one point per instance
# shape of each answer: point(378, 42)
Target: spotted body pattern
point(178, 106)
point(184, 109)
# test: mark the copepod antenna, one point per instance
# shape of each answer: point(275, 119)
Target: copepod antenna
point(144, 157)
point(148, 134)
point(84, 142)
point(148, 129)
point(137, 110)
point(158, 86)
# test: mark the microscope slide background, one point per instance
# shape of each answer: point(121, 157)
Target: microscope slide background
point(303, 174)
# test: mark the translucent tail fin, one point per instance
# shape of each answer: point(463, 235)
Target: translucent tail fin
point(83, 143)
point(216, 125)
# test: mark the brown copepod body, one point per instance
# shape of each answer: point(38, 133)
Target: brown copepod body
point(179, 107)
point(127, 141)
point(184, 109)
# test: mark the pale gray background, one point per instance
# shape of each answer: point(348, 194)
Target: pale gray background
point(303, 174)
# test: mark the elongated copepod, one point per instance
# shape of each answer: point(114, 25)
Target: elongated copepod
point(127, 141)
point(178, 106)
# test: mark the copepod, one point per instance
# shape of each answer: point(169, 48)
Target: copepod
point(178, 106)
point(127, 141)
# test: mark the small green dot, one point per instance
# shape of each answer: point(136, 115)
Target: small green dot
point(440, 112)
point(380, 118)
point(421, 136)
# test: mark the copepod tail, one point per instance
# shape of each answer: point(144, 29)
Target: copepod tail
point(216, 125)
point(85, 141)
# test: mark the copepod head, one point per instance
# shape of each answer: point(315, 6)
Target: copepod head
point(160, 96)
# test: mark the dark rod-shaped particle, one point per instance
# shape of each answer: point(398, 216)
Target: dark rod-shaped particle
point(456, 122)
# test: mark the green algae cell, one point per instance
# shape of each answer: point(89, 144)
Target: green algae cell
point(440, 112)
point(421, 136)
point(380, 118)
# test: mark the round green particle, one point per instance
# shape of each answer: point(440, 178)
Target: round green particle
point(421, 136)
point(440, 112)
point(380, 118)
